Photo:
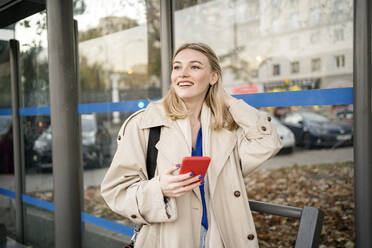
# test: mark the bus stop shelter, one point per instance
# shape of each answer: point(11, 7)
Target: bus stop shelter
point(63, 75)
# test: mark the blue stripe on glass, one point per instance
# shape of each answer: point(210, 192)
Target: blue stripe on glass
point(87, 218)
point(5, 111)
point(44, 110)
point(336, 96)
point(7, 192)
point(38, 203)
point(107, 224)
point(128, 106)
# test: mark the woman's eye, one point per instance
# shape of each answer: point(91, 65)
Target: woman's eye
point(195, 67)
point(176, 67)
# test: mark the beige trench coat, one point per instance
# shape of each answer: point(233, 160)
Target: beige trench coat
point(177, 223)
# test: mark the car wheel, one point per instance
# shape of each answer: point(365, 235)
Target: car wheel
point(307, 141)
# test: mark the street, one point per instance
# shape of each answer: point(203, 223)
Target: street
point(302, 156)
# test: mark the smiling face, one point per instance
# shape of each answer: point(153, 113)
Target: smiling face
point(192, 75)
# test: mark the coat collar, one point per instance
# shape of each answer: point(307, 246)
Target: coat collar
point(154, 115)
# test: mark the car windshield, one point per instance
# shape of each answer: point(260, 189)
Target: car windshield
point(4, 122)
point(314, 117)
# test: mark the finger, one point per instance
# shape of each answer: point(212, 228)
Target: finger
point(185, 189)
point(190, 180)
point(181, 177)
point(170, 171)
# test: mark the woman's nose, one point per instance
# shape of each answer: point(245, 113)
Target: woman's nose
point(184, 72)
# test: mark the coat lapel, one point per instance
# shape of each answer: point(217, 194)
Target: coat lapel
point(218, 145)
point(221, 146)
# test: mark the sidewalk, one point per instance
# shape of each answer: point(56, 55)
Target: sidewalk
point(310, 157)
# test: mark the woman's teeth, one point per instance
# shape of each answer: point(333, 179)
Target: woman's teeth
point(185, 84)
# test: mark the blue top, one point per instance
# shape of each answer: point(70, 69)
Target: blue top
point(199, 152)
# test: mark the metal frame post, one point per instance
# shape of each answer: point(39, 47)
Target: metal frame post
point(363, 122)
point(81, 168)
point(311, 220)
point(310, 228)
point(18, 151)
point(65, 124)
point(166, 41)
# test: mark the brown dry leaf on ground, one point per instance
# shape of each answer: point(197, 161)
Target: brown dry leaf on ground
point(329, 187)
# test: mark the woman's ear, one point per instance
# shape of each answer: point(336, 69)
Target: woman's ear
point(214, 78)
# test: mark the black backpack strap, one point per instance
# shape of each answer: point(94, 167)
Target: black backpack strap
point(152, 152)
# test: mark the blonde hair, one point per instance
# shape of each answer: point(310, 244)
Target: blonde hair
point(175, 107)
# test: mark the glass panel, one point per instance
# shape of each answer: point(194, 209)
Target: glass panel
point(289, 45)
point(98, 139)
point(7, 179)
point(126, 36)
point(95, 236)
point(5, 88)
point(266, 35)
point(119, 60)
point(32, 36)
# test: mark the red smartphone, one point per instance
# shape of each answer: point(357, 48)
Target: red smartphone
point(196, 164)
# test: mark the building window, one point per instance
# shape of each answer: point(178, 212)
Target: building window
point(316, 64)
point(338, 34)
point(294, 21)
point(275, 25)
point(340, 61)
point(275, 3)
point(293, 3)
point(340, 10)
point(295, 67)
point(276, 70)
point(315, 16)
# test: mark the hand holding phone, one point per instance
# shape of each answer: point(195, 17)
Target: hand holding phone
point(196, 164)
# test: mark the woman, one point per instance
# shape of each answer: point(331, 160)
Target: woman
point(197, 118)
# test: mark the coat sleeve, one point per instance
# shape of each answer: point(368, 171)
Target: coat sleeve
point(125, 187)
point(257, 138)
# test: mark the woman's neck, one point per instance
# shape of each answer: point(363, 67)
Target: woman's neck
point(195, 109)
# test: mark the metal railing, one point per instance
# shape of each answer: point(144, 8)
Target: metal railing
point(311, 220)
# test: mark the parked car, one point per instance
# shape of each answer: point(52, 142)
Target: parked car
point(6, 145)
point(312, 129)
point(346, 114)
point(285, 134)
point(92, 155)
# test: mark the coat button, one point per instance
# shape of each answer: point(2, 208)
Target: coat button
point(269, 118)
point(237, 193)
point(119, 137)
point(133, 216)
point(263, 128)
point(250, 236)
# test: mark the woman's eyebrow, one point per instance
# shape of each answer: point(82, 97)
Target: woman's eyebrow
point(196, 61)
point(193, 61)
